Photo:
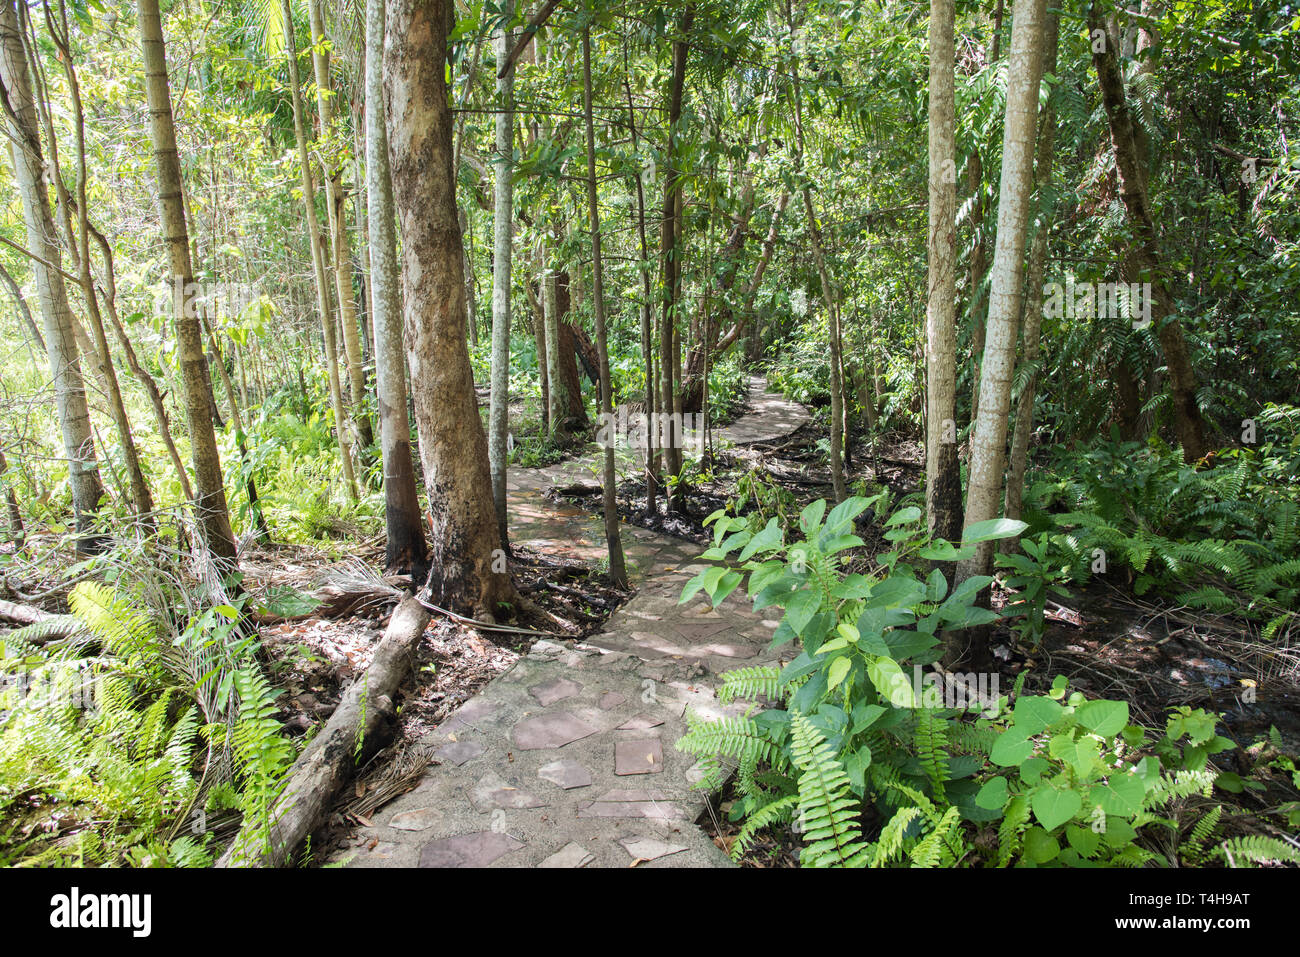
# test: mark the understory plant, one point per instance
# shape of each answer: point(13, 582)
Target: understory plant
point(876, 767)
point(122, 728)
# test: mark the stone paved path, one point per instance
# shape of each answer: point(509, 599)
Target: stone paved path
point(567, 759)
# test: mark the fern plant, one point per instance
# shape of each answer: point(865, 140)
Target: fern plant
point(843, 733)
point(136, 726)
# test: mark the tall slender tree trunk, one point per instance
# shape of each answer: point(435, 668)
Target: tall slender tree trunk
point(502, 243)
point(652, 479)
point(161, 418)
point(210, 503)
point(617, 570)
point(468, 569)
point(942, 475)
point(406, 550)
point(56, 316)
point(141, 496)
point(988, 446)
point(832, 307)
point(340, 243)
point(671, 267)
point(557, 400)
point(1033, 322)
point(318, 258)
point(1145, 257)
point(979, 262)
point(21, 301)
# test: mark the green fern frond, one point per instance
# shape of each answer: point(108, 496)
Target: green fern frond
point(750, 684)
point(1257, 849)
point(828, 812)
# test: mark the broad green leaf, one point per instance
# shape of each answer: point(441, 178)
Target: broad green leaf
point(903, 515)
point(836, 673)
point(810, 518)
point(801, 608)
point(768, 538)
point(993, 795)
point(1054, 806)
point(992, 529)
point(1011, 748)
point(1106, 718)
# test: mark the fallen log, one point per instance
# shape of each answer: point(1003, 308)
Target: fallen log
point(22, 614)
point(364, 713)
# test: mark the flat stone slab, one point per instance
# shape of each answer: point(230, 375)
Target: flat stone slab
point(572, 854)
point(458, 752)
point(642, 722)
point(649, 849)
point(550, 731)
point(565, 774)
point(468, 850)
point(644, 810)
point(549, 692)
point(492, 792)
point(470, 714)
point(417, 820)
point(643, 756)
point(610, 700)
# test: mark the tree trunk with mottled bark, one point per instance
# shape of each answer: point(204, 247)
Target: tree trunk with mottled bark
point(406, 549)
point(988, 446)
point(942, 474)
point(502, 256)
point(469, 572)
point(56, 316)
point(1033, 322)
point(210, 502)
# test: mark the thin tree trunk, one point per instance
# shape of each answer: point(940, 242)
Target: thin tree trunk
point(469, 572)
point(210, 503)
point(332, 175)
point(1033, 322)
point(406, 550)
point(141, 496)
point(617, 570)
point(60, 337)
point(832, 308)
point(133, 363)
point(1145, 257)
point(671, 267)
point(471, 303)
point(979, 263)
point(942, 474)
point(250, 484)
point(23, 311)
point(988, 446)
point(652, 480)
point(318, 258)
point(502, 243)
point(756, 280)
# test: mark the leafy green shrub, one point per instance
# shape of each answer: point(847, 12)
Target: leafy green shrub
point(872, 769)
point(850, 731)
